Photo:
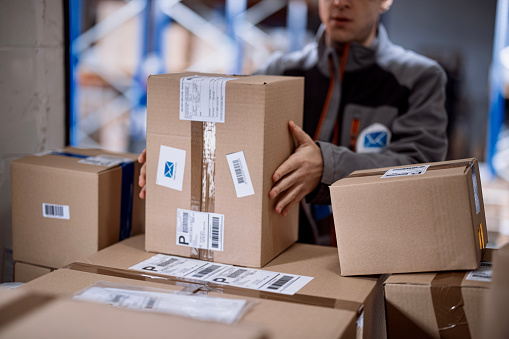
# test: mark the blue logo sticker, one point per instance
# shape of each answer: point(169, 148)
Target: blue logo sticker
point(375, 140)
point(168, 169)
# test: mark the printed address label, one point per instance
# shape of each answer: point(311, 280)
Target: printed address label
point(200, 229)
point(204, 271)
point(483, 273)
point(405, 171)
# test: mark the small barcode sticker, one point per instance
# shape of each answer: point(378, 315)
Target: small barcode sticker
point(207, 271)
point(280, 282)
point(200, 229)
point(55, 211)
point(483, 273)
point(405, 171)
point(240, 174)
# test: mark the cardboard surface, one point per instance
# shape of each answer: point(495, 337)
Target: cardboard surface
point(24, 272)
point(320, 262)
point(30, 315)
point(93, 194)
point(418, 223)
point(435, 305)
point(494, 319)
point(257, 111)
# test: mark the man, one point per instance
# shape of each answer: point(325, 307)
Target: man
point(368, 104)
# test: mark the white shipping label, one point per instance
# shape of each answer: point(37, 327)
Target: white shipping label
point(104, 160)
point(202, 98)
point(483, 273)
point(240, 174)
point(476, 191)
point(170, 167)
point(200, 229)
point(55, 211)
point(222, 274)
point(192, 306)
point(405, 171)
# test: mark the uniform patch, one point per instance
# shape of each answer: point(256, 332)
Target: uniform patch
point(373, 139)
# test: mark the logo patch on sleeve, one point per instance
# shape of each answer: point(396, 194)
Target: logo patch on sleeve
point(373, 139)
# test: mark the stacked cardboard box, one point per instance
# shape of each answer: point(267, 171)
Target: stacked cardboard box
point(419, 218)
point(35, 315)
point(329, 306)
point(70, 203)
point(213, 144)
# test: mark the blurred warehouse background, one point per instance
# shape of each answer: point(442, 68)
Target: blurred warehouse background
point(74, 71)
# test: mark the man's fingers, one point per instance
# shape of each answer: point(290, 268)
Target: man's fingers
point(142, 158)
point(285, 168)
point(282, 185)
point(142, 193)
point(142, 179)
point(288, 200)
point(299, 134)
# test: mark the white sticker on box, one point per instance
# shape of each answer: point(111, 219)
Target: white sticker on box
point(405, 171)
point(55, 211)
point(104, 160)
point(196, 307)
point(476, 191)
point(200, 229)
point(483, 273)
point(240, 174)
point(170, 167)
point(222, 274)
point(202, 98)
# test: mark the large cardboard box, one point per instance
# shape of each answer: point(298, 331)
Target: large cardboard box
point(24, 272)
point(418, 218)
point(438, 305)
point(36, 315)
point(329, 306)
point(494, 319)
point(208, 182)
point(69, 204)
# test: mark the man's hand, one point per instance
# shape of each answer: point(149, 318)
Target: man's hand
point(142, 180)
point(299, 175)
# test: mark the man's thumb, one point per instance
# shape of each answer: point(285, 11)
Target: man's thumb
point(299, 134)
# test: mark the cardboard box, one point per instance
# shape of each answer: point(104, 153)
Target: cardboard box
point(412, 219)
point(494, 319)
point(438, 305)
point(64, 209)
point(199, 166)
point(24, 272)
point(329, 306)
point(33, 315)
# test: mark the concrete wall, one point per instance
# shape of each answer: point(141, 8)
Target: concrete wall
point(32, 93)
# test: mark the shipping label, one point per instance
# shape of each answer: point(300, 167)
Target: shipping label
point(105, 160)
point(200, 229)
point(170, 167)
point(483, 273)
point(202, 98)
point(240, 174)
point(405, 171)
point(204, 271)
point(55, 211)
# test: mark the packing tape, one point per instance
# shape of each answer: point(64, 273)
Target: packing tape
point(448, 305)
point(20, 307)
point(206, 287)
point(126, 194)
point(203, 189)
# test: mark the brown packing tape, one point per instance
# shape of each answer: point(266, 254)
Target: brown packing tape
point(206, 287)
point(203, 191)
point(20, 307)
point(448, 305)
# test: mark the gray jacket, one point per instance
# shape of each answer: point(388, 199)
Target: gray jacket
point(395, 96)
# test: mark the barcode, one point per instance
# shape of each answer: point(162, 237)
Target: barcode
point(150, 304)
point(236, 273)
point(215, 232)
point(206, 271)
point(485, 264)
point(280, 282)
point(185, 222)
point(167, 262)
point(237, 166)
point(54, 210)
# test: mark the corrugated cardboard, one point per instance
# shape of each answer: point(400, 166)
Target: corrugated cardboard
point(494, 320)
point(32, 315)
point(417, 223)
point(257, 112)
point(326, 289)
point(435, 305)
point(24, 272)
point(93, 194)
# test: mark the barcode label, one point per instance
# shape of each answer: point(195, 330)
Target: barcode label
point(483, 273)
point(236, 273)
point(200, 229)
point(167, 262)
point(240, 174)
point(55, 211)
point(206, 271)
point(405, 171)
point(280, 282)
